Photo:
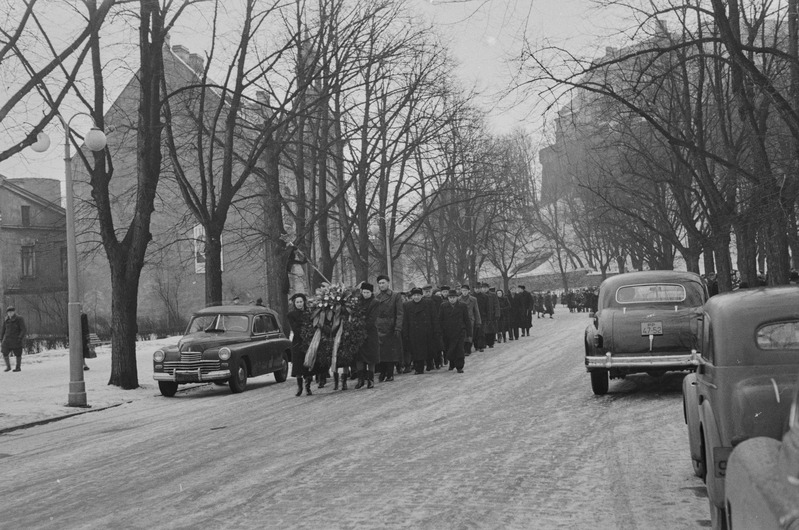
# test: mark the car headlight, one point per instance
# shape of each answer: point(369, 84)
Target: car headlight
point(158, 356)
point(224, 354)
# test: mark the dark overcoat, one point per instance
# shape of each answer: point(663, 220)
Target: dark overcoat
point(504, 313)
point(389, 326)
point(12, 334)
point(369, 352)
point(454, 321)
point(517, 311)
point(297, 319)
point(491, 318)
point(420, 334)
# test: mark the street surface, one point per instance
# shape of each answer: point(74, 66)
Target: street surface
point(517, 441)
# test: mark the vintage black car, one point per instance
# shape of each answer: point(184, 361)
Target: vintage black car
point(762, 483)
point(225, 344)
point(645, 322)
point(747, 365)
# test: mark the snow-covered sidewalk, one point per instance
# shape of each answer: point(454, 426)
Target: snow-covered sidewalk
point(39, 392)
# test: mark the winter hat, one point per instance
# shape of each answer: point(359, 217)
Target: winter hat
point(383, 277)
point(367, 287)
point(416, 290)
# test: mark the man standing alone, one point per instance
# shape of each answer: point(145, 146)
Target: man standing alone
point(389, 327)
point(12, 335)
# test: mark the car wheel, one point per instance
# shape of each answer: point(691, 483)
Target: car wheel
point(283, 373)
point(238, 379)
point(599, 382)
point(703, 452)
point(167, 388)
point(699, 468)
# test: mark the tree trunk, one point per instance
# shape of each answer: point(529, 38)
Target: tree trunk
point(746, 245)
point(277, 254)
point(721, 249)
point(213, 267)
point(124, 304)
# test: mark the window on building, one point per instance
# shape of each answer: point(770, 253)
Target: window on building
point(28, 262)
point(63, 256)
point(26, 215)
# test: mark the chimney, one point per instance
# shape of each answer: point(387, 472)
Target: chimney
point(181, 51)
point(196, 62)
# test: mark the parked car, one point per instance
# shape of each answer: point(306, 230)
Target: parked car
point(225, 344)
point(762, 483)
point(746, 372)
point(645, 322)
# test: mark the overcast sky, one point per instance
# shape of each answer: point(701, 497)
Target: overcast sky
point(485, 36)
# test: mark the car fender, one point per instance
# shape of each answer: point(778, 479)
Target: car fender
point(690, 405)
point(709, 427)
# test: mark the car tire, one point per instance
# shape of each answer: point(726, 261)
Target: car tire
point(282, 374)
point(699, 468)
point(238, 379)
point(168, 388)
point(599, 382)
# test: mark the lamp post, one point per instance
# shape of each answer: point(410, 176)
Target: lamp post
point(95, 140)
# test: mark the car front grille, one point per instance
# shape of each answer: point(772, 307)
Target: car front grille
point(190, 360)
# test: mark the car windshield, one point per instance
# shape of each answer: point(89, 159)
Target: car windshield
point(651, 293)
point(778, 336)
point(219, 323)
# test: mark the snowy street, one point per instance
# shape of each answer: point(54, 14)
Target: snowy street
point(517, 441)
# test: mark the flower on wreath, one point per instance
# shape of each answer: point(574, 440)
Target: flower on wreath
point(335, 314)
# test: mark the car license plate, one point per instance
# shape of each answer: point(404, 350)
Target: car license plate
point(186, 377)
point(651, 328)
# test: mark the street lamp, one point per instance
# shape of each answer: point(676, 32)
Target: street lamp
point(95, 140)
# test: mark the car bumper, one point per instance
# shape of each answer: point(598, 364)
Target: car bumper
point(191, 376)
point(607, 361)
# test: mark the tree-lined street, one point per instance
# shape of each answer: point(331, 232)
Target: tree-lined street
point(517, 441)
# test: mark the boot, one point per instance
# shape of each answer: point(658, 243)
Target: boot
point(8, 363)
point(343, 381)
point(19, 362)
point(361, 380)
point(299, 387)
point(308, 381)
point(370, 379)
point(335, 380)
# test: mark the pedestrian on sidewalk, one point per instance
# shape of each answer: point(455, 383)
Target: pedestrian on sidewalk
point(88, 349)
point(298, 317)
point(368, 355)
point(389, 327)
point(12, 335)
point(454, 323)
point(503, 329)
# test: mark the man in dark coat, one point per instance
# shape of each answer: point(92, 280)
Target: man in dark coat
point(527, 308)
point(549, 303)
point(434, 362)
point(516, 312)
point(491, 318)
point(12, 335)
point(454, 321)
point(369, 353)
point(480, 339)
point(420, 333)
point(389, 327)
point(474, 317)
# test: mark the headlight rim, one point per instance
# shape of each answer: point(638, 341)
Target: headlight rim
point(224, 353)
point(157, 354)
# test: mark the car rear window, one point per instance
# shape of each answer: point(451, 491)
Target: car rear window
point(649, 293)
point(778, 336)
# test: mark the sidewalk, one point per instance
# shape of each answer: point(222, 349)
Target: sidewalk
point(38, 393)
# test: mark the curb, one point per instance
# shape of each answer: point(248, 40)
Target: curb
point(59, 418)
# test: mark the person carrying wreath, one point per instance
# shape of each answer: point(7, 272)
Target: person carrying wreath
point(298, 317)
point(389, 327)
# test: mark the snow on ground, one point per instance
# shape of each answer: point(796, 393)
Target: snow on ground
point(39, 392)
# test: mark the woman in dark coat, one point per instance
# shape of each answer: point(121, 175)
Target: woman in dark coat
point(369, 353)
point(298, 317)
point(454, 321)
point(419, 330)
point(504, 317)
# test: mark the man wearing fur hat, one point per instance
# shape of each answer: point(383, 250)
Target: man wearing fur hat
point(420, 335)
point(455, 324)
point(389, 327)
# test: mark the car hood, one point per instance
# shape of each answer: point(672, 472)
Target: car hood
point(202, 341)
point(621, 330)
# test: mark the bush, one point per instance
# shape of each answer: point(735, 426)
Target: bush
point(40, 343)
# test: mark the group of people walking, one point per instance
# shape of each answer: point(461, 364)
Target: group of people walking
point(424, 329)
